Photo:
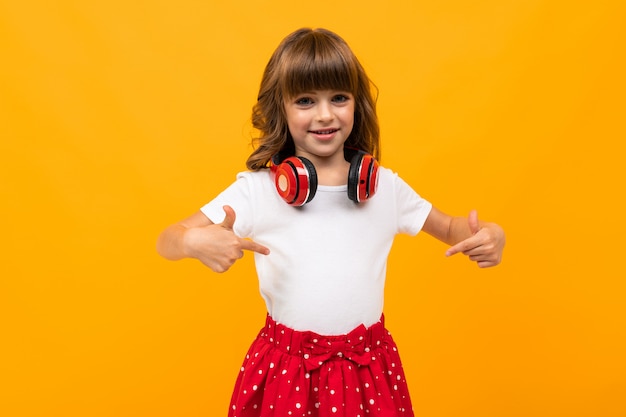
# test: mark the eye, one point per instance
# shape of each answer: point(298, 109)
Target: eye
point(304, 101)
point(341, 98)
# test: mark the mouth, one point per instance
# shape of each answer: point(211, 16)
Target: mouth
point(324, 131)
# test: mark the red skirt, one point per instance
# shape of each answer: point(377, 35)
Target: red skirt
point(291, 373)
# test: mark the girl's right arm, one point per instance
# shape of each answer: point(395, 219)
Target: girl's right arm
point(215, 245)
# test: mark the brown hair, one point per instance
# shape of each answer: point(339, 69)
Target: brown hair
point(311, 59)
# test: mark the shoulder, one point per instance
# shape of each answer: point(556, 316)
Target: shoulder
point(388, 176)
point(392, 182)
point(254, 179)
point(261, 175)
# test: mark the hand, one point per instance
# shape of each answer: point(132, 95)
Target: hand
point(217, 246)
point(484, 246)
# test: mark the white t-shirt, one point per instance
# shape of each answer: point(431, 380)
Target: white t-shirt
point(326, 268)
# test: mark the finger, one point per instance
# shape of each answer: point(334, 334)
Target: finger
point(472, 220)
point(229, 220)
point(463, 246)
point(453, 250)
point(251, 245)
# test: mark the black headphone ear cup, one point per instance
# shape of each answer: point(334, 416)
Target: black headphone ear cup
point(362, 177)
point(312, 173)
point(353, 176)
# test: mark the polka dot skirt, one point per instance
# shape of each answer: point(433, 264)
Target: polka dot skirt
point(291, 373)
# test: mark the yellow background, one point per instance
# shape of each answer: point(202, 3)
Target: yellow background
point(118, 118)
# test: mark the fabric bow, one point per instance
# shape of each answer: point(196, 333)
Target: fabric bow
point(319, 349)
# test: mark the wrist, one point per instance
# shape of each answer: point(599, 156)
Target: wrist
point(186, 243)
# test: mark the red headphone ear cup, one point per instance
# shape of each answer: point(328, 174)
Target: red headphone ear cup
point(362, 177)
point(296, 180)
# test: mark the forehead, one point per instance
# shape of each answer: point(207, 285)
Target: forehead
point(318, 67)
point(322, 92)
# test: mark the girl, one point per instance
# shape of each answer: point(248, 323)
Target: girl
point(320, 215)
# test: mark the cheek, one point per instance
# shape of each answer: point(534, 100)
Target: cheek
point(348, 118)
point(297, 120)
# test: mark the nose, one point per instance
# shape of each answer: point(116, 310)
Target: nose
point(324, 111)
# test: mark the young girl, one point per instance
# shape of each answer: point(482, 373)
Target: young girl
point(320, 215)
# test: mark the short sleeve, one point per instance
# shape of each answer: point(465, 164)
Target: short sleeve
point(412, 209)
point(238, 196)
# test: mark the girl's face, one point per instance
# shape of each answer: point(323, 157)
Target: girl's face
point(320, 121)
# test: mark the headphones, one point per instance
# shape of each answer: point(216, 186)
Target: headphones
point(296, 180)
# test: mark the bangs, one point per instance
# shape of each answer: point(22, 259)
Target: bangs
point(318, 63)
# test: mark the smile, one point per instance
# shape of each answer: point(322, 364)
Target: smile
point(323, 132)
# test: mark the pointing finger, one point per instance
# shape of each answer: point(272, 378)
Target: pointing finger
point(454, 249)
point(254, 247)
point(462, 246)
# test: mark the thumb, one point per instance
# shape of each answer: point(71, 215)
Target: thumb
point(229, 220)
point(472, 220)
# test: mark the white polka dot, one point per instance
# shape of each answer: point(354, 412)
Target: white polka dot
point(334, 409)
point(254, 388)
point(332, 392)
point(260, 371)
point(271, 365)
point(298, 405)
point(371, 401)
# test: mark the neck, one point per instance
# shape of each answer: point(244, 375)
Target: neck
point(332, 174)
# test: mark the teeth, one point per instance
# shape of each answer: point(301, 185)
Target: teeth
point(324, 132)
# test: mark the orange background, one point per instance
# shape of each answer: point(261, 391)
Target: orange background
point(120, 117)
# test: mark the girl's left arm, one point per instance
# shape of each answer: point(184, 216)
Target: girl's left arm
point(481, 241)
